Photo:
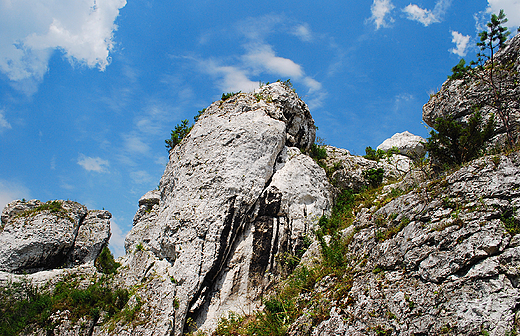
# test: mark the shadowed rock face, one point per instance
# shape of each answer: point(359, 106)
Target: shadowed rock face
point(236, 188)
point(35, 237)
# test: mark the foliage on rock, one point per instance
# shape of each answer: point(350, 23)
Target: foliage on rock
point(452, 144)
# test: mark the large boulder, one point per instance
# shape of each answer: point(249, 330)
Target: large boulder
point(408, 144)
point(39, 236)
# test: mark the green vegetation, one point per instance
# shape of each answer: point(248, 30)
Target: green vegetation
point(452, 144)
point(226, 96)
point(511, 222)
point(318, 152)
point(181, 131)
point(178, 133)
point(25, 307)
point(376, 155)
point(374, 176)
point(460, 71)
point(54, 207)
point(500, 80)
point(105, 262)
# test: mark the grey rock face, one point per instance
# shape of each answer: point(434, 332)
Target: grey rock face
point(35, 238)
point(408, 144)
point(438, 259)
point(229, 200)
point(348, 170)
point(286, 211)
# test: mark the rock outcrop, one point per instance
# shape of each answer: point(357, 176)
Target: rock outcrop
point(39, 236)
point(236, 193)
point(423, 255)
point(349, 171)
point(437, 260)
point(459, 98)
point(408, 144)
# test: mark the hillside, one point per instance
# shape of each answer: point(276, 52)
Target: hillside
point(255, 229)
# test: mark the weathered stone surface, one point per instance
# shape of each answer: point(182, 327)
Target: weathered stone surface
point(286, 212)
point(449, 265)
point(218, 182)
point(93, 235)
point(148, 207)
point(408, 144)
point(34, 238)
point(348, 170)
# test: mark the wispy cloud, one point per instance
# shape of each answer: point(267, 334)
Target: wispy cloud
point(117, 239)
point(10, 191)
point(135, 144)
point(230, 78)
point(262, 56)
point(141, 177)
point(4, 124)
point(510, 7)
point(82, 30)
point(303, 32)
point(425, 16)
point(236, 73)
point(380, 10)
point(461, 43)
point(95, 164)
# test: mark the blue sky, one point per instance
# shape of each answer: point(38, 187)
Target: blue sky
point(90, 89)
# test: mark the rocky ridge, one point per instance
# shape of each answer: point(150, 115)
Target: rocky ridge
point(425, 254)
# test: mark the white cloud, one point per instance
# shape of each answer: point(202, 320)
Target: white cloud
point(10, 191)
point(233, 77)
point(425, 16)
point(117, 239)
point(510, 7)
point(4, 124)
point(31, 30)
point(461, 43)
point(93, 164)
point(380, 9)
point(312, 84)
point(134, 144)
point(303, 32)
point(263, 56)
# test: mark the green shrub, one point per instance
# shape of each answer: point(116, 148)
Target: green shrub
point(179, 133)
point(453, 144)
point(460, 71)
point(376, 155)
point(226, 96)
point(23, 306)
point(318, 152)
point(511, 223)
point(372, 154)
point(374, 176)
point(105, 262)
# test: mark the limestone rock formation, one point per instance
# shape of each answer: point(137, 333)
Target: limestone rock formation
point(38, 236)
point(236, 192)
point(408, 144)
point(348, 171)
point(436, 260)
